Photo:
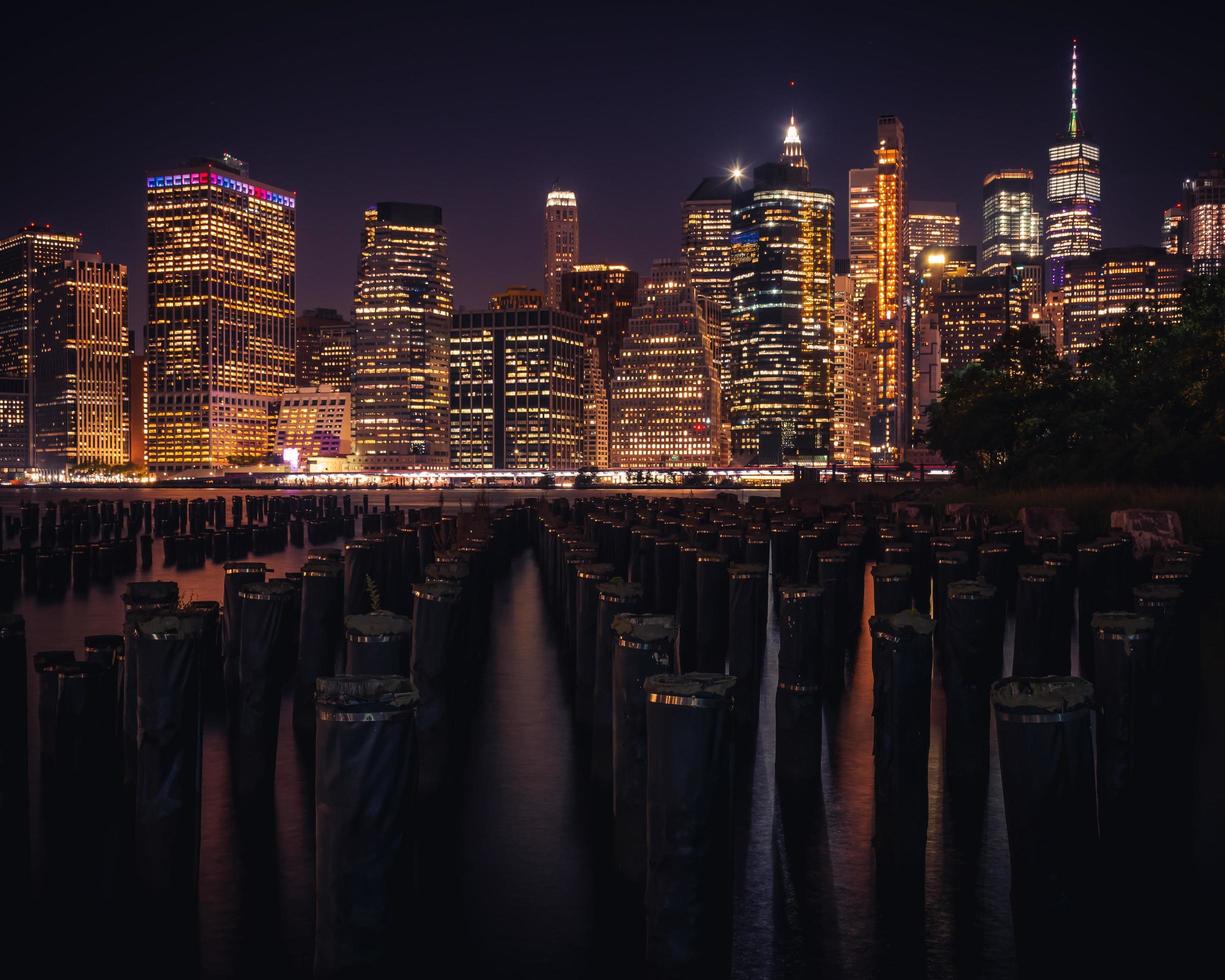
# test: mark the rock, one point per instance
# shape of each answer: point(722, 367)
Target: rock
point(1040, 522)
point(1150, 530)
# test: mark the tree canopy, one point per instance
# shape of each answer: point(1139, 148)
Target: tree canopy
point(1145, 405)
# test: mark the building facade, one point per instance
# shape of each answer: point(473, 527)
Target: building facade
point(323, 337)
point(560, 242)
point(706, 227)
point(1174, 237)
point(892, 252)
point(314, 421)
point(517, 298)
point(1100, 290)
point(14, 424)
point(1205, 211)
point(1012, 227)
point(81, 350)
point(665, 397)
point(219, 345)
point(781, 403)
point(402, 316)
point(974, 312)
point(849, 441)
point(516, 390)
point(1073, 195)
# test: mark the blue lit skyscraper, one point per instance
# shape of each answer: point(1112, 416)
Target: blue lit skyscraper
point(1074, 193)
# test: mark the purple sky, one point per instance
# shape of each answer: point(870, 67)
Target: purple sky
point(630, 106)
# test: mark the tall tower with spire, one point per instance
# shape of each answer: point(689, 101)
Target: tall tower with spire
point(560, 242)
point(1073, 192)
point(782, 296)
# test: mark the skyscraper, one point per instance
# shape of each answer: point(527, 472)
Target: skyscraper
point(560, 242)
point(1205, 205)
point(782, 311)
point(1073, 194)
point(930, 223)
point(516, 401)
point(517, 298)
point(861, 228)
point(706, 226)
point(402, 317)
point(317, 330)
point(81, 349)
point(664, 406)
point(852, 376)
point(1012, 227)
point(1174, 231)
point(219, 345)
point(24, 257)
point(602, 297)
point(974, 312)
point(891, 255)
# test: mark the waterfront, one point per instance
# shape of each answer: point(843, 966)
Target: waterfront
point(519, 880)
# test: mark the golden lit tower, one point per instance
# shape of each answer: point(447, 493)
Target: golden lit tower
point(402, 316)
point(1203, 236)
point(664, 408)
point(219, 345)
point(706, 226)
point(782, 312)
point(891, 256)
point(81, 354)
point(560, 242)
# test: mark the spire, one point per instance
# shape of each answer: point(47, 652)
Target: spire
point(1073, 121)
point(793, 151)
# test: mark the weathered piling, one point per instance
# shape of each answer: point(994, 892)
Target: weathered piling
point(974, 660)
point(800, 673)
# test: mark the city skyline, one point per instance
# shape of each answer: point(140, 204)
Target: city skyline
point(630, 190)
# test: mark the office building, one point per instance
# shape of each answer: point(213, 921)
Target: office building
point(402, 316)
point(1073, 194)
point(936, 264)
point(664, 403)
point(219, 344)
point(1100, 290)
point(973, 313)
point(1205, 217)
point(314, 421)
point(706, 225)
point(560, 242)
point(861, 228)
point(781, 403)
point(324, 337)
point(81, 349)
point(516, 395)
point(138, 406)
point(1174, 237)
point(1012, 227)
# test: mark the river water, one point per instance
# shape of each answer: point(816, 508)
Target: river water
point(519, 884)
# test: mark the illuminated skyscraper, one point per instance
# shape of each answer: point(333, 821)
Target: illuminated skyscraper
point(782, 312)
point(516, 400)
point(664, 406)
point(706, 219)
point(861, 228)
point(402, 317)
point(560, 242)
point(219, 345)
point(81, 349)
point(937, 264)
point(24, 257)
point(891, 259)
point(1205, 207)
point(314, 421)
point(852, 376)
point(1012, 227)
point(1101, 289)
point(321, 334)
point(974, 312)
point(1073, 194)
point(930, 223)
point(602, 297)
point(1174, 230)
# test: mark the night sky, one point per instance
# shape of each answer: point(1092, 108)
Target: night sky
point(630, 106)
